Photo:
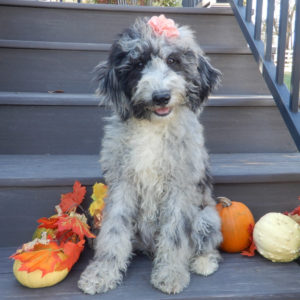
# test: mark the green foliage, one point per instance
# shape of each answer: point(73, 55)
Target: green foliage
point(287, 79)
point(167, 3)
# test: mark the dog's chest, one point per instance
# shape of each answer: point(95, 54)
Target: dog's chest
point(150, 160)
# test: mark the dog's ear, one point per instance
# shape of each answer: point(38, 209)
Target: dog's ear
point(209, 77)
point(110, 91)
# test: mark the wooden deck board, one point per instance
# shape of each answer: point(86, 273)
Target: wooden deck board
point(237, 278)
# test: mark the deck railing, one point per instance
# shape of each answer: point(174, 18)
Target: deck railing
point(184, 3)
point(287, 101)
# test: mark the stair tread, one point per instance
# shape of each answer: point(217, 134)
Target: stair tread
point(84, 46)
point(238, 277)
point(48, 170)
point(36, 98)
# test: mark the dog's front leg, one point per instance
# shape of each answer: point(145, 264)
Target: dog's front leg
point(171, 263)
point(113, 244)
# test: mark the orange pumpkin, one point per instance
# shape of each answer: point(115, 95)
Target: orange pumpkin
point(235, 219)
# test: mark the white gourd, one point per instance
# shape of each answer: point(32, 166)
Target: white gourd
point(277, 237)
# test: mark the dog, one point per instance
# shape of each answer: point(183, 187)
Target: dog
point(154, 160)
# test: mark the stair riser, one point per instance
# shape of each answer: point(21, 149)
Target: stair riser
point(34, 70)
point(101, 26)
point(246, 130)
point(40, 201)
point(79, 129)
point(50, 129)
point(262, 198)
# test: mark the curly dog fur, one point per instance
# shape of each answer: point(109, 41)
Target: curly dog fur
point(155, 162)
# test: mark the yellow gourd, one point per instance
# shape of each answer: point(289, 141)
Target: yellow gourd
point(35, 279)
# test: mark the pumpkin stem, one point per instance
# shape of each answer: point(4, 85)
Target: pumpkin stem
point(224, 201)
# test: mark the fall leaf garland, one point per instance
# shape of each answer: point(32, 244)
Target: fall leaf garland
point(61, 238)
point(76, 223)
point(294, 214)
point(98, 204)
point(70, 201)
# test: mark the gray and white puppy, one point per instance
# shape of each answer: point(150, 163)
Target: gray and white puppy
point(155, 162)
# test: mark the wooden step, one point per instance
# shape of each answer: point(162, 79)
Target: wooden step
point(238, 278)
point(31, 66)
point(31, 185)
point(67, 22)
point(43, 123)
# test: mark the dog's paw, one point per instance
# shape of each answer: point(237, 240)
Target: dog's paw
point(170, 280)
point(206, 264)
point(95, 279)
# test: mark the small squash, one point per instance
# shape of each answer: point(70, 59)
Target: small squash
point(235, 221)
point(277, 237)
point(35, 279)
point(39, 231)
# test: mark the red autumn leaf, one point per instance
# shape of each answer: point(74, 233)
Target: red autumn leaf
point(73, 199)
point(251, 249)
point(66, 235)
point(42, 257)
point(72, 252)
point(296, 211)
point(76, 225)
point(48, 222)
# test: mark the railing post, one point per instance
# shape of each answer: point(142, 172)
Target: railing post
point(248, 10)
point(272, 75)
point(257, 30)
point(284, 8)
point(295, 80)
point(269, 30)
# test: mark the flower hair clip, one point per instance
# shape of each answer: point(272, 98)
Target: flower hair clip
point(161, 25)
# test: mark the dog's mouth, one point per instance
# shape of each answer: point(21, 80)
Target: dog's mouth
point(162, 111)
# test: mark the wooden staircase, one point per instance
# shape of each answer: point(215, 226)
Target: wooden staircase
point(48, 140)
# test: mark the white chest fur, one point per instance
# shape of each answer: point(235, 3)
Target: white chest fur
point(148, 151)
point(160, 151)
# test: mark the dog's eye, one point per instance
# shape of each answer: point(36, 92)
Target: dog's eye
point(170, 61)
point(140, 66)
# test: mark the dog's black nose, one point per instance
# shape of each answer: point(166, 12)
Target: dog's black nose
point(161, 97)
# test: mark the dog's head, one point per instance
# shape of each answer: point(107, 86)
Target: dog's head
point(153, 69)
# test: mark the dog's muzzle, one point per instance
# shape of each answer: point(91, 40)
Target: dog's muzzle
point(160, 99)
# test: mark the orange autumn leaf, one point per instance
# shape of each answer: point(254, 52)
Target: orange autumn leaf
point(48, 222)
point(42, 257)
point(72, 252)
point(73, 199)
point(76, 225)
